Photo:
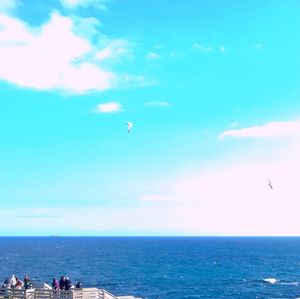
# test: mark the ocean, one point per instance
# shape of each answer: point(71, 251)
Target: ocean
point(161, 267)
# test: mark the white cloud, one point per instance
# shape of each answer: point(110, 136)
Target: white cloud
point(73, 4)
point(111, 107)
point(8, 5)
point(152, 55)
point(202, 48)
point(271, 129)
point(157, 104)
point(60, 55)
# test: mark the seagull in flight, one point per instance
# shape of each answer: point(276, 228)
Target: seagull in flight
point(270, 184)
point(129, 126)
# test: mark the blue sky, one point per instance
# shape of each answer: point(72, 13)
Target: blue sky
point(212, 88)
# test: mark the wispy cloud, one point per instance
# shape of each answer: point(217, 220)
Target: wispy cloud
point(220, 199)
point(201, 48)
point(114, 50)
point(158, 46)
point(156, 198)
point(226, 198)
point(86, 27)
point(258, 47)
point(8, 5)
point(127, 80)
point(111, 107)
point(176, 55)
point(270, 129)
point(153, 55)
point(222, 49)
point(157, 104)
point(38, 216)
point(73, 4)
point(233, 124)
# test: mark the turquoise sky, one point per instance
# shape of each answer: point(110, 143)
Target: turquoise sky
point(212, 88)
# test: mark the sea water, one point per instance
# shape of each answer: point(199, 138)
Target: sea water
point(161, 267)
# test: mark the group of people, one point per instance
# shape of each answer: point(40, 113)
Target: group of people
point(16, 283)
point(64, 284)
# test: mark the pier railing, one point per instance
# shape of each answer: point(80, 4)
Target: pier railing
point(16, 293)
point(45, 293)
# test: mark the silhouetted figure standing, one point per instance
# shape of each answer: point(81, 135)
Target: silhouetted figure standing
point(55, 284)
point(68, 284)
point(62, 282)
point(27, 282)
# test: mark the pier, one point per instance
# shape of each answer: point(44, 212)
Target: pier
point(48, 293)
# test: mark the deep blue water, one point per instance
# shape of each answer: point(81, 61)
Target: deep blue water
point(161, 267)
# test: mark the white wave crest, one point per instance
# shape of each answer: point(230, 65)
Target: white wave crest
point(271, 280)
point(295, 283)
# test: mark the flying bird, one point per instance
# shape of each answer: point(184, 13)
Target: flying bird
point(270, 184)
point(129, 126)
